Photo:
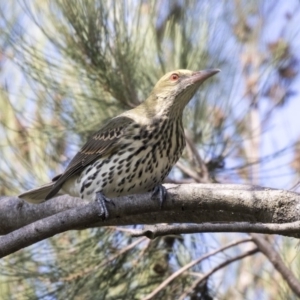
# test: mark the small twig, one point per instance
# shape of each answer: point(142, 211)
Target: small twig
point(215, 269)
point(85, 272)
point(295, 186)
point(191, 264)
point(179, 181)
point(141, 254)
point(265, 247)
point(122, 251)
point(204, 172)
point(287, 229)
point(188, 172)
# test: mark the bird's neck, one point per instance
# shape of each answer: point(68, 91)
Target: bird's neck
point(153, 109)
point(160, 106)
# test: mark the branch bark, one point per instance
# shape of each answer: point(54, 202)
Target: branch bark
point(25, 223)
point(48, 227)
point(153, 231)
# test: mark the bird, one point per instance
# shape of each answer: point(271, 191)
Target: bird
point(133, 152)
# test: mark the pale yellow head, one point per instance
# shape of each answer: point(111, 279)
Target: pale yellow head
point(175, 89)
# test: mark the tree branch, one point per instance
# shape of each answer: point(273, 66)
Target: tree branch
point(48, 227)
point(215, 269)
point(265, 247)
point(191, 264)
point(190, 203)
point(203, 176)
point(91, 269)
point(287, 229)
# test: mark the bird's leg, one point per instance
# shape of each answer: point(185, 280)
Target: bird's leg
point(159, 192)
point(102, 200)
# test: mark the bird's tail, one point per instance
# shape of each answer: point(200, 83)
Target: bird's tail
point(38, 194)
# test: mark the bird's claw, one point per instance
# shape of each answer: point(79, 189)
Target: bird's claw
point(159, 192)
point(102, 200)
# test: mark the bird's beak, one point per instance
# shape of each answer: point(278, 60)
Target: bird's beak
point(201, 76)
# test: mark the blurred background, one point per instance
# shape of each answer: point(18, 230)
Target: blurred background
point(67, 66)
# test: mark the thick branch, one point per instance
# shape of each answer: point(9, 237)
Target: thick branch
point(48, 227)
point(190, 203)
point(187, 203)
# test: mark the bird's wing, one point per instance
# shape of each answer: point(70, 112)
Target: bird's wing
point(102, 143)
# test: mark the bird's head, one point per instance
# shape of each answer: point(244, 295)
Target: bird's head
point(175, 89)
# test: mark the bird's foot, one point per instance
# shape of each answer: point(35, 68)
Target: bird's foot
point(102, 200)
point(159, 192)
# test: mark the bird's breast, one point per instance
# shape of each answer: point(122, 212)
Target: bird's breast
point(142, 160)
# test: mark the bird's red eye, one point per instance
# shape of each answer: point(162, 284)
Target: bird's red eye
point(174, 77)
